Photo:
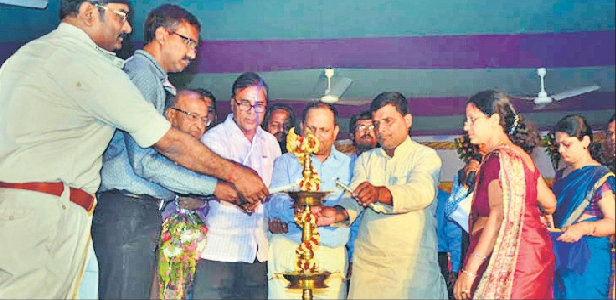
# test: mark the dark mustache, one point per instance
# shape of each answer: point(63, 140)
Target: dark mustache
point(123, 35)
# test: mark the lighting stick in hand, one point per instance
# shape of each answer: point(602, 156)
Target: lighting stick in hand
point(284, 188)
point(346, 188)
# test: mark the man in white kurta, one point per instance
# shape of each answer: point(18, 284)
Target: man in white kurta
point(395, 254)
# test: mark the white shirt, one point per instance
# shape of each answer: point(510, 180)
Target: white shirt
point(233, 235)
point(62, 97)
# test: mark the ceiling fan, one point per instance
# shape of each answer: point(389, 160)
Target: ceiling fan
point(330, 88)
point(333, 92)
point(542, 98)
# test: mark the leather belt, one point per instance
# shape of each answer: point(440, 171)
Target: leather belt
point(77, 196)
point(160, 203)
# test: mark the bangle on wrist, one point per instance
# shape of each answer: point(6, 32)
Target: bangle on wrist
point(469, 273)
point(483, 257)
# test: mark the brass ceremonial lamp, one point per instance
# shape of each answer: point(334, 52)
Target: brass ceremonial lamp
point(306, 277)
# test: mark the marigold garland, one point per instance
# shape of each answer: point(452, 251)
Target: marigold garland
point(182, 241)
point(302, 147)
point(309, 246)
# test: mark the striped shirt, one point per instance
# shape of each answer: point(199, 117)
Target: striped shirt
point(233, 235)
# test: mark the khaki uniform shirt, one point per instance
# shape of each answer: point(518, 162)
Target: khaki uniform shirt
point(61, 98)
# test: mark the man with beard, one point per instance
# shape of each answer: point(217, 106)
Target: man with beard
point(279, 119)
point(362, 134)
point(364, 139)
point(55, 124)
point(329, 163)
point(137, 181)
point(396, 248)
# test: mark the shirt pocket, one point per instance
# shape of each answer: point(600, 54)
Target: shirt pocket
point(399, 178)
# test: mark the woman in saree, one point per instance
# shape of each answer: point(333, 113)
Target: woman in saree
point(510, 252)
point(585, 212)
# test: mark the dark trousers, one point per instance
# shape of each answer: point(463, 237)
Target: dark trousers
point(125, 233)
point(443, 263)
point(230, 280)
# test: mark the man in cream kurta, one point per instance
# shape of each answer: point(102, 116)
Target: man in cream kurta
point(395, 254)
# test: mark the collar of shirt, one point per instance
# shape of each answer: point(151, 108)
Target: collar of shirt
point(333, 154)
point(405, 147)
point(336, 165)
point(231, 127)
point(160, 73)
point(79, 34)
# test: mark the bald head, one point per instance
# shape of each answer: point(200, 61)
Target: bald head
point(188, 113)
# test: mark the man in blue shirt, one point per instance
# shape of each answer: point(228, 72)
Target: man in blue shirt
point(330, 164)
point(136, 182)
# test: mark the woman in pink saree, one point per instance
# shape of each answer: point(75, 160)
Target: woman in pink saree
point(510, 252)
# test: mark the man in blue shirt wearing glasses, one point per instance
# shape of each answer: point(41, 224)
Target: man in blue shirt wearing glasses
point(136, 181)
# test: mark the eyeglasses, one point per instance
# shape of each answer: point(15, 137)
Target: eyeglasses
point(472, 121)
point(188, 41)
point(194, 117)
point(121, 14)
point(245, 105)
point(363, 127)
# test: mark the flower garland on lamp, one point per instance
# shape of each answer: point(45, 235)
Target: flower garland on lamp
point(183, 238)
point(302, 147)
point(306, 248)
point(549, 142)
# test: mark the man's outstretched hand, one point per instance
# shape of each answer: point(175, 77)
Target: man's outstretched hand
point(249, 185)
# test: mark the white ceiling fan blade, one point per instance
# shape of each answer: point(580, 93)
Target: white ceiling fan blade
point(575, 92)
point(302, 100)
point(523, 97)
point(335, 90)
point(354, 102)
point(339, 86)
